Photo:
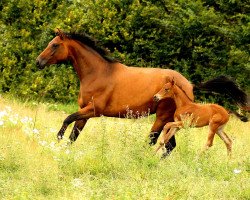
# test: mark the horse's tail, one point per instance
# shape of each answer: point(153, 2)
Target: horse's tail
point(225, 86)
point(241, 117)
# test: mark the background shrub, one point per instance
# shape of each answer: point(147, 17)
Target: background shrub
point(201, 39)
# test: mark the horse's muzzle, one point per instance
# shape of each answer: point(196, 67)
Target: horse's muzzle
point(156, 98)
point(40, 64)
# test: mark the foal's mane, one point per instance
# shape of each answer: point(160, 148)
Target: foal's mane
point(92, 43)
point(183, 91)
point(174, 84)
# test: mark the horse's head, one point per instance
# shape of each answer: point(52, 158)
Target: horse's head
point(55, 52)
point(166, 91)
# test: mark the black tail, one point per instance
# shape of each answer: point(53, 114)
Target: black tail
point(225, 86)
point(241, 117)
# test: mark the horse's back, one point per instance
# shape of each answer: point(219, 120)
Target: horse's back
point(135, 87)
point(155, 77)
point(202, 114)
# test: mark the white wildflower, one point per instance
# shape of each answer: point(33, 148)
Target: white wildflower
point(67, 151)
point(237, 171)
point(1, 122)
point(52, 144)
point(35, 131)
point(77, 182)
point(3, 113)
point(42, 143)
point(26, 120)
point(27, 130)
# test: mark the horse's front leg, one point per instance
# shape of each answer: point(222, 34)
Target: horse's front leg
point(79, 125)
point(82, 114)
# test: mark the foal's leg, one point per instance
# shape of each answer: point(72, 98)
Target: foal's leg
point(168, 132)
point(226, 140)
point(79, 124)
point(164, 113)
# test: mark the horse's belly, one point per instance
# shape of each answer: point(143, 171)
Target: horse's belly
point(129, 110)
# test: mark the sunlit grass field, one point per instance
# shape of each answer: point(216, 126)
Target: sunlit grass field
point(112, 160)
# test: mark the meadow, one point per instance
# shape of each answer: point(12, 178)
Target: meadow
point(112, 159)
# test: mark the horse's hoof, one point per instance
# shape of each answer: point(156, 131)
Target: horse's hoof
point(59, 138)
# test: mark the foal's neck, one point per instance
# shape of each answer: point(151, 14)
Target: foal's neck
point(180, 98)
point(86, 61)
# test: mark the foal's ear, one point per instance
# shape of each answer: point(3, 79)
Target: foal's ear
point(172, 81)
point(60, 33)
point(168, 80)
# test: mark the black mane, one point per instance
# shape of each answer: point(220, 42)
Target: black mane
point(92, 43)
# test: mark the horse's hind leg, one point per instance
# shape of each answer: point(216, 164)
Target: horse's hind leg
point(226, 140)
point(79, 124)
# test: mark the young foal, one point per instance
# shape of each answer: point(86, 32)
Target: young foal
point(200, 115)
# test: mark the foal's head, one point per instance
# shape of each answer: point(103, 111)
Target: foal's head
point(56, 51)
point(166, 91)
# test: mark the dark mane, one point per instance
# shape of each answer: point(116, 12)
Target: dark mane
point(92, 43)
point(183, 92)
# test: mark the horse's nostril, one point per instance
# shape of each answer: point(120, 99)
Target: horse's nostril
point(156, 99)
point(37, 63)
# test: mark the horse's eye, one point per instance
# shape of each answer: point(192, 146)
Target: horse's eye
point(54, 46)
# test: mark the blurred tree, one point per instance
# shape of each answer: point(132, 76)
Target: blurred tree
point(201, 39)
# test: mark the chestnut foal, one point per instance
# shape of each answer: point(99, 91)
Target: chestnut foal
point(213, 115)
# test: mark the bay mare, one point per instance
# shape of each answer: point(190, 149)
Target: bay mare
point(110, 88)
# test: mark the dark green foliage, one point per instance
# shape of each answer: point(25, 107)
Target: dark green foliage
point(201, 39)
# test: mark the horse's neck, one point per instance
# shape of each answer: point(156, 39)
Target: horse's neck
point(180, 97)
point(86, 61)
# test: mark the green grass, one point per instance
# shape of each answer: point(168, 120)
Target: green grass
point(111, 159)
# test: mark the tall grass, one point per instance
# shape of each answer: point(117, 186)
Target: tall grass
point(112, 160)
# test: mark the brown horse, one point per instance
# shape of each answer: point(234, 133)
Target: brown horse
point(197, 115)
point(110, 88)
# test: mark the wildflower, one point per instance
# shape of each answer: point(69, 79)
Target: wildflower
point(35, 131)
point(1, 122)
point(67, 151)
point(3, 113)
point(27, 130)
point(52, 144)
point(77, 182)
point(26, 120)
point(42, 143)
point(237, 171)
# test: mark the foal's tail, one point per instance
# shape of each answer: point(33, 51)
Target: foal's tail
point(225, 86)
point(241, 117)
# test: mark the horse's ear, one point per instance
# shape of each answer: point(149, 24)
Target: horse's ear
point(60, 33)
